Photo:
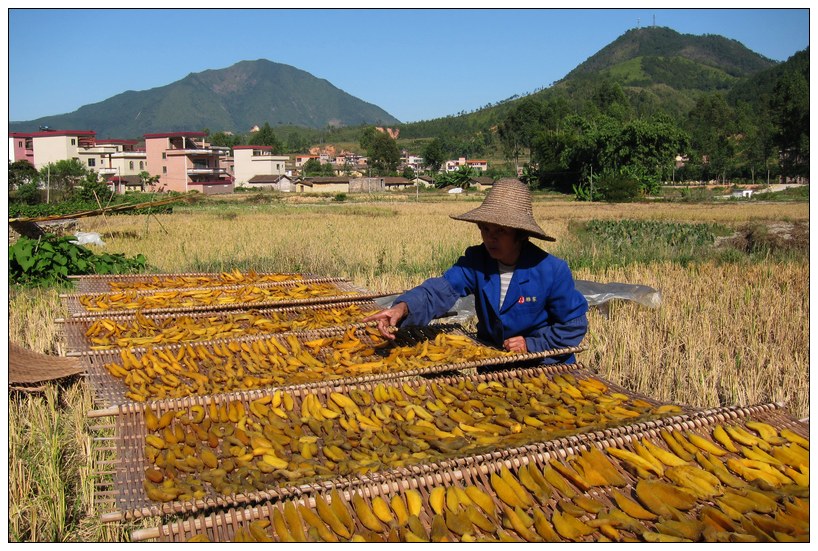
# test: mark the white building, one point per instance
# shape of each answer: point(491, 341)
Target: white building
point(254, 160)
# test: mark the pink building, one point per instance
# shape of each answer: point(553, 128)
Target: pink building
point(49, 146)
point(184, 162)
point(21, 147)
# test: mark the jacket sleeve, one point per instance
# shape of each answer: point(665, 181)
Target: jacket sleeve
point(434, 297)
point(429, 300)
point(567, 322)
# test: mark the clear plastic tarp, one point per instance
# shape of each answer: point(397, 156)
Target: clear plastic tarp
point(597, 294)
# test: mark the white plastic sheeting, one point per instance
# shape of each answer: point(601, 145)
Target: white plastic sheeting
point(597, 294)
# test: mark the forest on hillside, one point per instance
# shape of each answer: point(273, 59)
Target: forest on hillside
point(597, 129)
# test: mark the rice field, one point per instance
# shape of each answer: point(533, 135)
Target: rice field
point(732, 328)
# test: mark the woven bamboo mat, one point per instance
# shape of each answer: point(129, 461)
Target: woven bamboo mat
point(282, 361)
point(617, 505)
point(135, 330)
point(182, 280)
point(288, 293)
point(27, 368)
point(381, 443)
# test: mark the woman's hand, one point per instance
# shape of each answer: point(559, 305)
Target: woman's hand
point(515, 344)
point(389, 318)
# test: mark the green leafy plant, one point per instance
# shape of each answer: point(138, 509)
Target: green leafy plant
point(582, 192)
point(51, 259)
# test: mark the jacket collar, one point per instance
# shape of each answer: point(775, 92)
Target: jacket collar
point(491, 274)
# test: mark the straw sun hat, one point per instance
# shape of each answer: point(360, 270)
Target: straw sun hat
point(508, 203)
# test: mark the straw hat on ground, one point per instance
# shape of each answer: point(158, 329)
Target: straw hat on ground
point(508, 203)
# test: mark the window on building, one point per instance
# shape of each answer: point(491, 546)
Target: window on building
point(130, 165)
point(20, 144)
point(164, 155)
point(73, 141)
point(164, 170)
point(92, 162)
point(141, 165)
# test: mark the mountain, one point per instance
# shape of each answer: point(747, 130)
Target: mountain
point(716, 58)
point(232, 99)
point(659, 69)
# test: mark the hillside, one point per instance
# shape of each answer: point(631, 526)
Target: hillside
point(716, 52)
point(232, 99)
point(659, 69)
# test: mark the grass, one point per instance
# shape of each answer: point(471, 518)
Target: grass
point(732, 329)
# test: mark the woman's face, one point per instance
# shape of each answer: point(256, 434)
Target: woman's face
point(501, 242)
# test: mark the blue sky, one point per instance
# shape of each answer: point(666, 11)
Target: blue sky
point(417, 64)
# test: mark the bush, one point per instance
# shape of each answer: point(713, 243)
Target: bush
point(617, 188)
point(51, 259)
point(340, 197)
point(27, 194)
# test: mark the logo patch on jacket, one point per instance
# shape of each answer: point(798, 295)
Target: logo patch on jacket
point(523, 300)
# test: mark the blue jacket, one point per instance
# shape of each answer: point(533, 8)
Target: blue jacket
point(541, 303)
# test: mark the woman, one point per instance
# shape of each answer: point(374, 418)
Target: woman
point(525, 298)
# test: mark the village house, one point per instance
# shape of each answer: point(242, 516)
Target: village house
point(391, 183)
point(323, 184)
point(49, 146)
point(255, 160)
point(119, 162)
point(277, 182)
point(481, 183)
point(184, 161)
point(21, 147)
point(301, 159)
point(477, 164)
point(423, 181)
point(412, 161)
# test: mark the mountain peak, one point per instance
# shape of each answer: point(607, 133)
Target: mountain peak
point(718, 52)
point(232, 99)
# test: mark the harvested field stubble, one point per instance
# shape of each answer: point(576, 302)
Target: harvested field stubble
point(727, 333)
point(724, 335)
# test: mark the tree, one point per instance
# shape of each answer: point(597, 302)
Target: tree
point(642, 149)
point(434, 155)
point(609, 98)
point(62, 176)
point(648, 149)
point(367, 137)
point(92, 189)
point(518, 130)
point(790, 109)
point(383, 154)
point(223, 139)
point(712, 127)
point(149, 182)
point(266, 136)
point(297, 143)
point(756, 150)
point(312, 168)
point(21, 173)
point(462, 176)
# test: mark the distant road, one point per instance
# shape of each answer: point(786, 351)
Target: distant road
point(779, 187)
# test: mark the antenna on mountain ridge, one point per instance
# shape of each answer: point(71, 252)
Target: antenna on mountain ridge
point(637, 22)
point(654, 20)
